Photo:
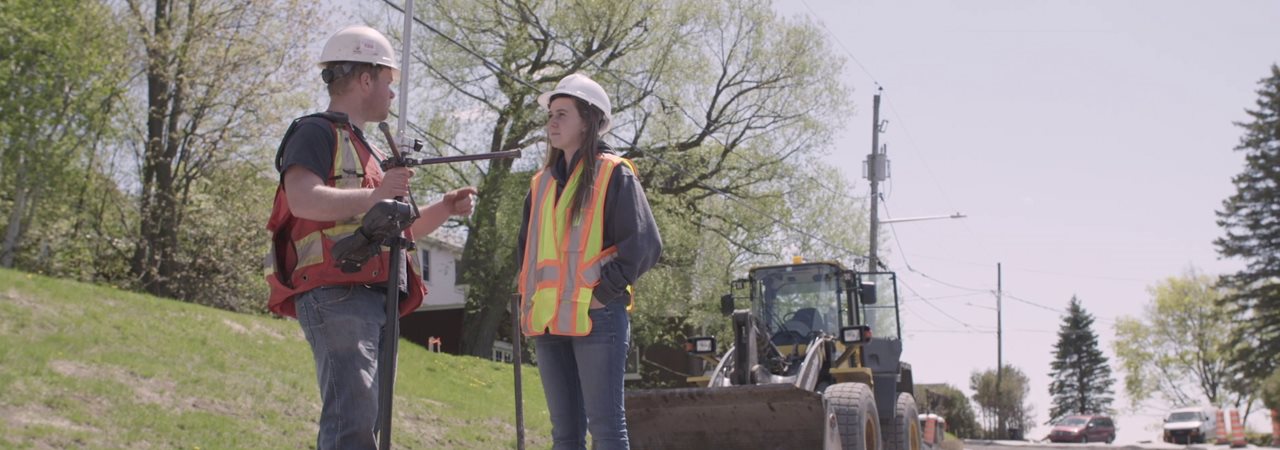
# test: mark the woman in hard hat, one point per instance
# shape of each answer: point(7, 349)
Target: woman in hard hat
point(586, 236)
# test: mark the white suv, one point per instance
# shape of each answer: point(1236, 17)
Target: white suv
point(1189, 425)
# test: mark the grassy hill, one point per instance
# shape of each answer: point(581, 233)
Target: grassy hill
point(84, 366)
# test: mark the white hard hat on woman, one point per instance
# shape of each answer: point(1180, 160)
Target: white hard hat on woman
point(580, 86)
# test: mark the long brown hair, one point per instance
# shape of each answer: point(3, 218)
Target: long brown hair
point(594, 119)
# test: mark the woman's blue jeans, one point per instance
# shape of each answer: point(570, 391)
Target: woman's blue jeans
point(582, 378)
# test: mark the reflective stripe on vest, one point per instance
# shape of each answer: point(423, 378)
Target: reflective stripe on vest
point(562, 260)
point(347, 170)
point(347, 173)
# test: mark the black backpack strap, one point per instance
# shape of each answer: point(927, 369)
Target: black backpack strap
point(333, 117)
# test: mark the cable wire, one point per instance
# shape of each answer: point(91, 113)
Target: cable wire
point(512, 77)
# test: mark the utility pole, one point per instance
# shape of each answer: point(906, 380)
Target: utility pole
point(999, 348)
point(875, 169)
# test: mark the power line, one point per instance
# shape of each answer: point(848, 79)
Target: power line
point(1029, 330)
point(1098, 277)
point(901, 122)
point(1026, 269)
point(935, 307)
point(633, 85)
point(951, 332)
point(909, 310)
point(989, 308)
point(496, 68)
point(967, 294)
point(1037, 305)
point(933, 178)
point(885, 203)
point(842, 46)
point(1052, 309)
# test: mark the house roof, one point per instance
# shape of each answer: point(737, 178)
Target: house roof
point(452, 242)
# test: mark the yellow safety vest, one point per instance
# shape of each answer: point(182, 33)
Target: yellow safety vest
point(562, 261)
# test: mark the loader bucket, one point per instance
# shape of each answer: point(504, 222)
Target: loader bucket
point(770, 416)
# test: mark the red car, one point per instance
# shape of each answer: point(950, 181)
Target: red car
point(1084, 429)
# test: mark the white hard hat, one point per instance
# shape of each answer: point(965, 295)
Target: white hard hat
point(580, 86)
point(360, 44)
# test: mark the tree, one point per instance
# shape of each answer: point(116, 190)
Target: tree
point(1081, 373)
point(721, 101)
point(1250, 219)
point(1177, 348)
point(1271, 392)
point(1005, 408)
point(214, 97)
point(59, 86)
point(949, 403)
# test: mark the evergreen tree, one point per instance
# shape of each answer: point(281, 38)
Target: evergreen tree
point(1081, 373)
point(1251, 221)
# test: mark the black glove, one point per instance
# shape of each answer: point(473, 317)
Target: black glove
point(385, 220)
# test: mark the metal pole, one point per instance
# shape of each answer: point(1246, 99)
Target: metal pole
point(516, 350)
point(874, 178)
point(391, 330)
point(999, 348)
point(390, 345)
point(403, 113)
point(411, 162)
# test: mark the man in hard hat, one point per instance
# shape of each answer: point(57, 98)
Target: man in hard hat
point(330, 176)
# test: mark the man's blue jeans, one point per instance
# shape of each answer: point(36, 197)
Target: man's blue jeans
point(582, 378)
point(343, 324)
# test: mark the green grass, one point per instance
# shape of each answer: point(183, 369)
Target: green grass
point(84, 366)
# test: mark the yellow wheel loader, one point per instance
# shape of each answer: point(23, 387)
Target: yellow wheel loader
point(814, 364)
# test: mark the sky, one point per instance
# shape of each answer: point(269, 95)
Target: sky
point(1089, 143)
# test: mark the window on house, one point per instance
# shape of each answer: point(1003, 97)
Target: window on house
point(425, 257)
point(502, 351)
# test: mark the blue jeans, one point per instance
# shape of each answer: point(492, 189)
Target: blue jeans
point(343, 324)
point(582, 378)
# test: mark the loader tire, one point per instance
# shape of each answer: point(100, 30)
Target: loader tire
point(904, 433)
point(851, 408)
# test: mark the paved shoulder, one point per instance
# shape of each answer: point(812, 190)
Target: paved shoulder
point(979, 444)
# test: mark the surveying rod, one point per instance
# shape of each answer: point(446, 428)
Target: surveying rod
point(389, 345)
point(390, 341)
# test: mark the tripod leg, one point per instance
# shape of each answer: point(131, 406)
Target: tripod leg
point(516, 352)
point(389, 346)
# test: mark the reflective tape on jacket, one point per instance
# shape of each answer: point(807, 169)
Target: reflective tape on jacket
point(563, 259)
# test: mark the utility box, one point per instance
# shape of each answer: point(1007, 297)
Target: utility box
point(876, 167)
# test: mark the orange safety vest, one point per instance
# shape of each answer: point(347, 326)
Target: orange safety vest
point(562, 261)
point(300, 258)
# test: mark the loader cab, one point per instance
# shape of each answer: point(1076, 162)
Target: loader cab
point(798, 302)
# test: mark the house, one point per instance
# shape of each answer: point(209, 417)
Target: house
point(440, 316)
point(441, 313)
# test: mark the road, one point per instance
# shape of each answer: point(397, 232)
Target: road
point(1020, 445)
